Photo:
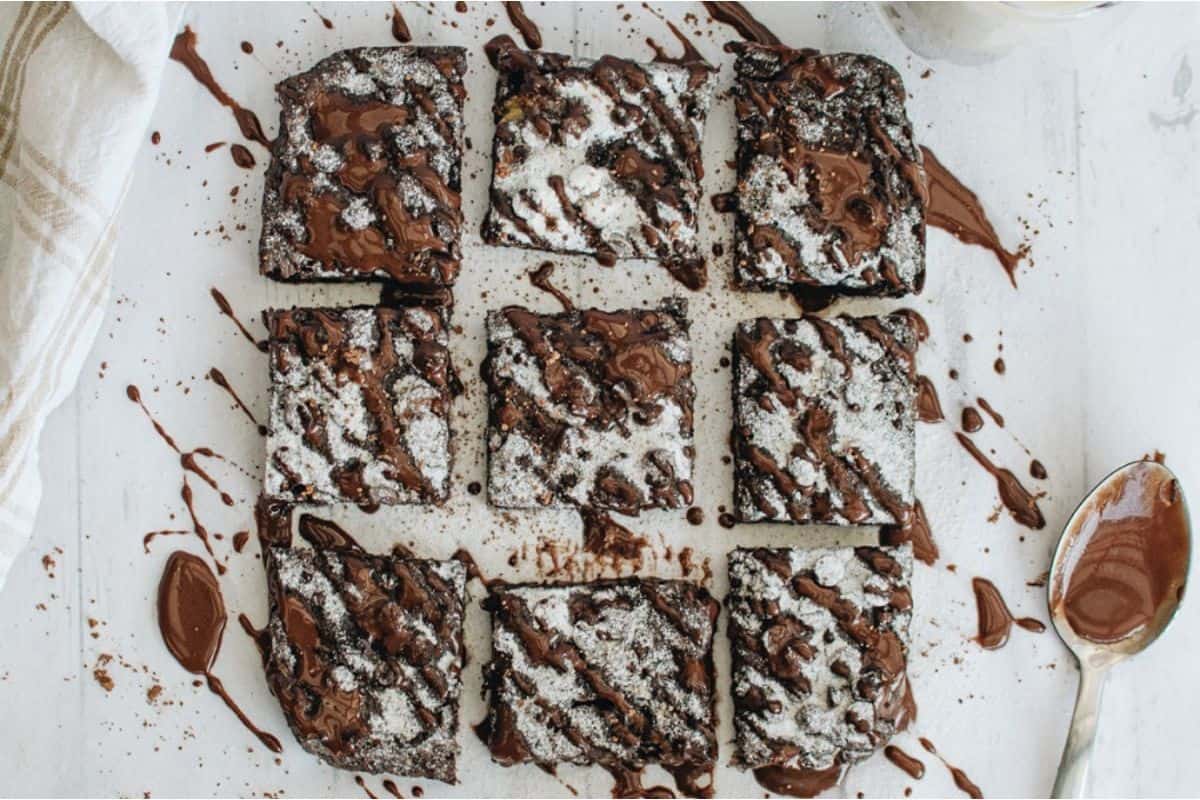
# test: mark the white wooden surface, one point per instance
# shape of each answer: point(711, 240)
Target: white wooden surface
point(1090, 139)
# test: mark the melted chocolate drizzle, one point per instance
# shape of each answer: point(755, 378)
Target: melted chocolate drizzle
point(524, 25)
point(400, 31)
point(956, 209)
point(915, 530)
point(191, 618)
point(995, 620)
point(219, 379)
point(736, 16)
point(929, 407)
point(227, 309)
point(1015, 497)
point(183, 50)
point(913, 766)
point(540, 278)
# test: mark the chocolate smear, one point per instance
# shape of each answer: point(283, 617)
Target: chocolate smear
point(191, 618)
point(913, 766)
point(400, 31)
point(524, 25)
point(956, 209)
point(995, 620)
point(183, 50)
point(916, 530)
point(736, 16)
point(796, 782)
point(929, 407)
point(1015, 497)
point(218, 377)
point(540, 278)
point(227, 309)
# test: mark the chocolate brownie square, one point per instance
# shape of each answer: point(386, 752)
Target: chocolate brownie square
point(366, 171)
point(598, 156)
point(831, 192)
point(364, 653)
point(617, 673)
point(590, 408)
point(820, 641)
point(824, 417)
point(360, 406)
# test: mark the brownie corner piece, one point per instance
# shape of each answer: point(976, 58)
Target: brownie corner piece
point(364, 654)
point(590, 408)
point(824, 418)
point(831, 193)
point(360, 406)
point(366, 172)
point(599, 156)
point(819, 640)
point(617, 673)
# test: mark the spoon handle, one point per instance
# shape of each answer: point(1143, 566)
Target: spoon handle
point(1072, 775)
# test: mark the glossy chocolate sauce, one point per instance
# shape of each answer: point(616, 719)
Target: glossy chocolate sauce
point(913, 766)
point(929, 407)
point(362, 784)
point(1128, 559)
point(524, 25)
point(391, 788)
point(219, 379)
point(960, 778)
point(1015, 497)
point(796, 782)
point(400, 31)
point(995, 620)
point(189, 464)
point(695, 515)
point(916, 530)
point(183, 50)
point(1037, 470)
point(991, 412)
point(690, 54)
point(737, 17)
point(191, 618)
point(540, 278)
point(241, 156)
point(971, 421)
point(227, 309)
point(956, 209)
point(1000, 366)
point(464, 557)
point(328, 23)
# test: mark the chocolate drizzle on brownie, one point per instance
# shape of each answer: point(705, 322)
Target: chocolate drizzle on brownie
point(191, 619)
point(600, 157)
point(590, 408)
point(831, 192)
point(365, 653)
point(995, 620)
point(819, 656)
point(616, 673)
point(917, 531)
point(360, 402)
point(1016, 498)
point(823, 420)
point(365, 177)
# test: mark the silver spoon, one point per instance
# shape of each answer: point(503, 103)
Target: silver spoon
point(1095, 659)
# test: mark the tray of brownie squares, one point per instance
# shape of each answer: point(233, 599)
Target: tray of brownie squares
point(593, 410)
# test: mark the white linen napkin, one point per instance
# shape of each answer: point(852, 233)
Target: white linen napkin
point(78, 83)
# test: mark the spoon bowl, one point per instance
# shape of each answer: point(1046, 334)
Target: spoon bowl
point(1116, 581)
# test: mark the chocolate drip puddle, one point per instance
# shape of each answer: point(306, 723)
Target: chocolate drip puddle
point(1129, 558)
point(995, 619)
point(191, 618)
